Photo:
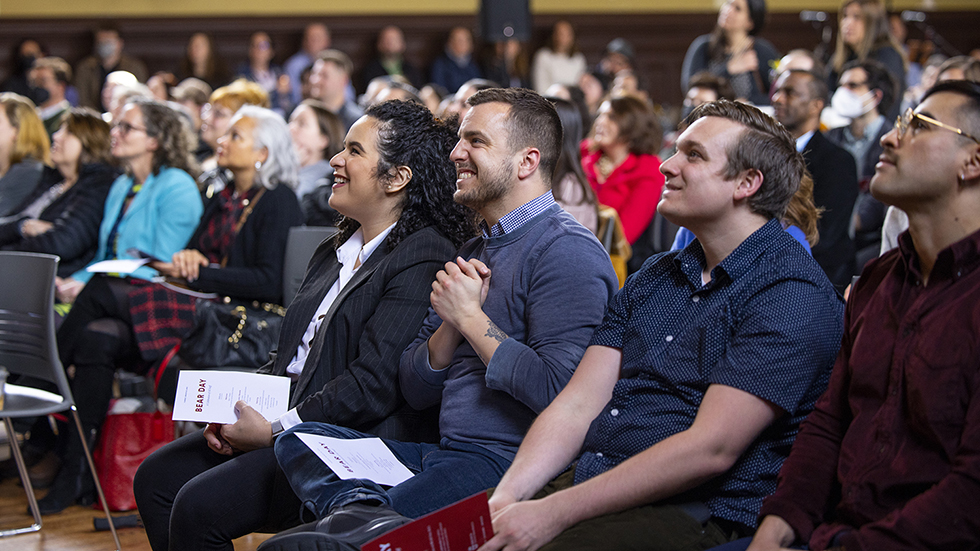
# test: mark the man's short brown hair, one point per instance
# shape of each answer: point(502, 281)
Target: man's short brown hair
point(532, 122)
point(338, 58)
point(764, 145)
point(58, 66)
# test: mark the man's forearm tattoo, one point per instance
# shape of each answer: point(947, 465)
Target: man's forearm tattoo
point(495, 332)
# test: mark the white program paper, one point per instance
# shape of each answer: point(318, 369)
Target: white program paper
point(117, 266)
point(210, 396)
point(359, 458)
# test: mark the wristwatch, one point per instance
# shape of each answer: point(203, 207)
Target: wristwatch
point(277, 428)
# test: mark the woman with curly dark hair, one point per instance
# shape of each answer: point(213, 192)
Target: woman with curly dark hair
point(361, 304)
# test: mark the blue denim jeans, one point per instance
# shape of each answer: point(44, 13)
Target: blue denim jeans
point(444, 473)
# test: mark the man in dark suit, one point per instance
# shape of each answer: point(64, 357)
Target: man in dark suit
point(800, 97)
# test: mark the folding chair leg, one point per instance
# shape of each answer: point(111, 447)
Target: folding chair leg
point(95, 476)
point(26, 480)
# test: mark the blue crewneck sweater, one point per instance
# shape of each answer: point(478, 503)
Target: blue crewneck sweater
point(550, 281)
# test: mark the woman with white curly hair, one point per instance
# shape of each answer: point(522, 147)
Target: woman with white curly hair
point(237, 250)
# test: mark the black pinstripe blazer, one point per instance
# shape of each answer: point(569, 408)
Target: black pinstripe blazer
point(351, 375)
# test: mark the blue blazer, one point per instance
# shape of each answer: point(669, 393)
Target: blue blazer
point(159, 221)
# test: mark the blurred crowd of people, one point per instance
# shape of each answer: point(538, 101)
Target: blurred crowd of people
point(206, 168)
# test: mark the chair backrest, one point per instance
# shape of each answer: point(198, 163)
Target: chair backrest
point(27, 337)
point(300, 246)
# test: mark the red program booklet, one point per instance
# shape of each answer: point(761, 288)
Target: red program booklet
point(462, 526)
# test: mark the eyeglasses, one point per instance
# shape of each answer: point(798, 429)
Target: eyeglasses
point(125, 128)
point(902, 124)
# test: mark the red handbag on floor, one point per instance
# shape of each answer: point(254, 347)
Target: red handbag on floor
point(126, 440)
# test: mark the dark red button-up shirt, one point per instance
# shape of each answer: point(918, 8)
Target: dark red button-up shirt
point(890, 456)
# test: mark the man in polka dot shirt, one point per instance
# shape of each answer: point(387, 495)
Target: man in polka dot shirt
point(690, 394)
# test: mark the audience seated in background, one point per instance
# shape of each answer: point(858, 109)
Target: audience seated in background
point(864, 35)
point(390, 59)
point(560, 62)
point(705, 87)
point(800, 59)
point(490, 355)
point(216, 119)
point(865, 94)
point(569, 185)
point(317, 136)
point(63, 214)
point(799, 98)
point(24, 150)
point(734, 51)
point(620, 161)
point(506, 63)
point(316, 38)
point(455, 65)
point(959, 67)
point(112, 80)
point(193, 95)
point(682, 409)
point(52, 75)
point(887, 458)
point(107, 57)
point(153, 209)
point(22, 58)
point(373, 283)
point(202, 61)
point(329, 80)
point(456, 104)
point(260, 69)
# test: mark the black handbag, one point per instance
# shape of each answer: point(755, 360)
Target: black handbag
point(232, 334)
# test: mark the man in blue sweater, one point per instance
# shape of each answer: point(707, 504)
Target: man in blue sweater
point(510, 319)
point(688, 398)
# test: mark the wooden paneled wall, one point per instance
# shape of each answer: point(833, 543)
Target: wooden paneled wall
point(660, 40)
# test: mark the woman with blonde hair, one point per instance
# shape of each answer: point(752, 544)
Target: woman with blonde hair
point(24, 150)
point(864, 34)
point(63, 214)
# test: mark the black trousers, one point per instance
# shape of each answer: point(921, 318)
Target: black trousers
point(96, 337)
point(191, 498)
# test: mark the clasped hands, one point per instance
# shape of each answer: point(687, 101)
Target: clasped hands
point(460, 290)
point(250, 432)
point(186, 264)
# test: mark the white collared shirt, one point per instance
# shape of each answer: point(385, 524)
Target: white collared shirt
point(803, 140)
point(353, 251)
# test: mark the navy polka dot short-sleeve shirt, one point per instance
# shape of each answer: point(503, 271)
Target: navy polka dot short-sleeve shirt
point(768, 323)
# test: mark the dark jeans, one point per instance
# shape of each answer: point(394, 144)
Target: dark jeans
point(444, 473)
point(190, 497)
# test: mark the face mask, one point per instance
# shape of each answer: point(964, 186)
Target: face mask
point(39, 95)
point(105, 49)
point(848, 104)
point(25, 62)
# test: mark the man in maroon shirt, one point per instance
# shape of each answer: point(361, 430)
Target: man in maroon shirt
point(890, 457)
